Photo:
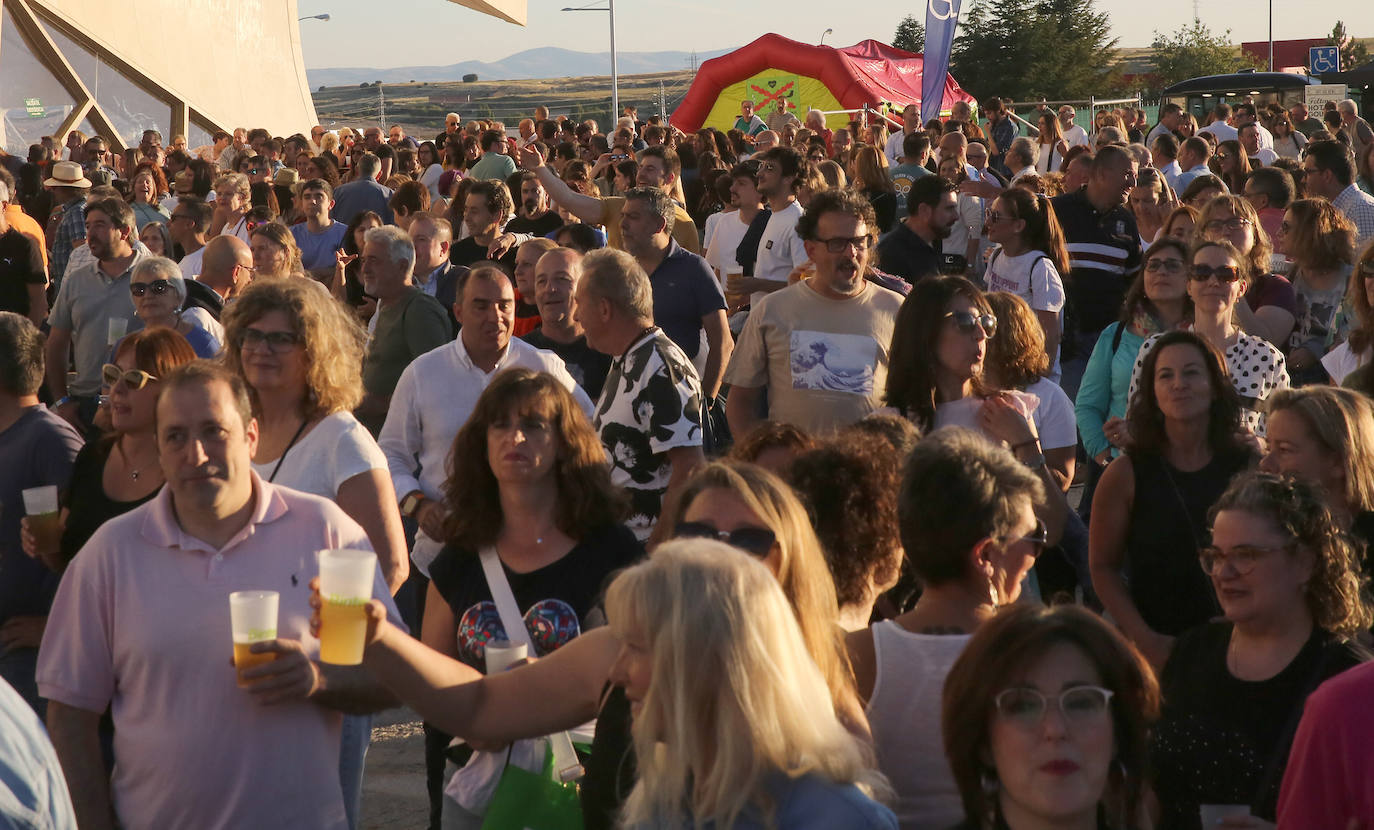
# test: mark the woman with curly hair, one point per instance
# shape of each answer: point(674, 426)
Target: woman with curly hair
point(1293, 601)
point(772, 445)
point(849, 488)
point(275, 252)
point(1320, 241)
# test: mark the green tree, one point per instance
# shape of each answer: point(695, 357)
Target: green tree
point(910, 35)
point(1192, 51)
point(1353, 52)
point(1049, 48)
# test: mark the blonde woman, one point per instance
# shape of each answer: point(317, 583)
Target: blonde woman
point(733, 723)
point(275, 253)
point(740, 502)
point(233, 200)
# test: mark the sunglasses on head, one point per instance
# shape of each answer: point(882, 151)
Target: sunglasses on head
point(967, 322)
point(758, 541)
point(158, 287)
point(134, 379)
point(1223, 273)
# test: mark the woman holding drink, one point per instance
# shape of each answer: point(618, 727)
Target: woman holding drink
point(117, 473)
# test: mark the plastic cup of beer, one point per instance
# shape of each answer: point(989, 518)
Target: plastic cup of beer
point(253, 619)
point(501, 654)
point(346, 579)
point(40, 503)
point(733, 273)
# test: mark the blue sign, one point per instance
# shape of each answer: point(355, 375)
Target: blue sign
point(942, 16)
point(1324, 59)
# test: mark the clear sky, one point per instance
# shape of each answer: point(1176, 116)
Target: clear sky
point(437, 32)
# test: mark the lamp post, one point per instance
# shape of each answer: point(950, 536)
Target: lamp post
point(609, 8)
point(323, 17)
point(823, 34)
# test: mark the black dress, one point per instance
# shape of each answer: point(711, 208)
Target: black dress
point(88, 505)
point(1168, 525)
point(1218, 735)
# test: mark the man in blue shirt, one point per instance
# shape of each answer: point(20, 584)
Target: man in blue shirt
point(319, 237)
point(363, 193)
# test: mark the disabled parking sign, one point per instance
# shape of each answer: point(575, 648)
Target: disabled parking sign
point(1324, 59)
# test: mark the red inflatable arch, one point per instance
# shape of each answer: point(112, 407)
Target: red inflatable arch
point(806, 76)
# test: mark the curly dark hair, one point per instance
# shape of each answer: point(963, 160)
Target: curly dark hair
point(899, 434)
point(771, 435)
point(836, 200)
point(586, 497)
point(849, 488)
point(1337, 591)
point(1146, 421)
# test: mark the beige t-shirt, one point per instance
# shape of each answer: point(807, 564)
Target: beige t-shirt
point(823, 361)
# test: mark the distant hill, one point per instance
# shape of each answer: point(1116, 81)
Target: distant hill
point(545, 62)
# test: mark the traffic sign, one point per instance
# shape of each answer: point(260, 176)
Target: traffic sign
point(1324, 59)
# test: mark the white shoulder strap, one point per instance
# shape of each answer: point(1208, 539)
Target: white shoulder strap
point(565, 762)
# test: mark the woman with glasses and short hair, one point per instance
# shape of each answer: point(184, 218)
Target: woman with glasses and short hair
point(1217, 283)
point(1289, 589)
point(116, 473)
point(1046, 718)
point(967, 524)
point(159, 292)
point(1149, 514)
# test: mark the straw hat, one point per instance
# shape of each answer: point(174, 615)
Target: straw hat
point(67, 174)
point(287, 176)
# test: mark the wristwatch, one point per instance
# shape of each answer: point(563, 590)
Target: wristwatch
point(410, 505)
point(1036, 461)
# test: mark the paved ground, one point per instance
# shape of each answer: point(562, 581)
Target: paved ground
point(394, 784)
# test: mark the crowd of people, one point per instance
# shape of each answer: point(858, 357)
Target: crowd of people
point(984, 473)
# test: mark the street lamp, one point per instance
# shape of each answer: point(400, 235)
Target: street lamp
point(323, 17)
point(823, 34)
point(615, 75)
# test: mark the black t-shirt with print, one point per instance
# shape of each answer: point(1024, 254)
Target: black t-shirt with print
point(587, 366)
point(555, 599)
point(21, 265)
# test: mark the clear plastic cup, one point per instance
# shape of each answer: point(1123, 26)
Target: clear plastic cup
point(40, 500)
point(40, 504)
point(117, 328)
point(346, 579)
point(252, 619)
point(1212, 814)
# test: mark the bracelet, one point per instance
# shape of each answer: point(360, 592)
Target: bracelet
point(1031, 443)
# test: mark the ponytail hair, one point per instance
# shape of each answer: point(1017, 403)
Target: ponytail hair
point(1042, 232)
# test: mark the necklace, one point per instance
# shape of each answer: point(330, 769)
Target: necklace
point(134, 473)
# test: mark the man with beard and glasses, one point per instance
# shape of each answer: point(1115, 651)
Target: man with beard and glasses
point(534, 213)
point(912, 249)
point(819, 347)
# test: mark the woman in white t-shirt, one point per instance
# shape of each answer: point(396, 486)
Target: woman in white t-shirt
point(300, 353)
point(1032, 258)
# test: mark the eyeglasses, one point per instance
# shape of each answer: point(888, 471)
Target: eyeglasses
point(1223, 156)
point(1242, 558)
point(1166, 266)
point(967, 322)
point(176, 216)
point(1223, 273)
point(1367, 268)
point(993, 217)
point(758, 541)
point(840, 244)
point(1038, 539)
point(158, 287)
point(1080, 706)
point(133, 380)
point(276, 341)
point(1233, 224)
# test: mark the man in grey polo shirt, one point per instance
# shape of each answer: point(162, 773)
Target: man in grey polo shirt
point(93, 310)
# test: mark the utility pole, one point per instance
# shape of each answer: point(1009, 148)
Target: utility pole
point(381, 106)
point(662, 102)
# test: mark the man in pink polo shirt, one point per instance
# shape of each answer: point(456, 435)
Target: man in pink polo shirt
point(141, 624)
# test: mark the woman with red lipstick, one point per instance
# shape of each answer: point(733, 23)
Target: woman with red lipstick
point(1046, 716)
point(1288, 584)
point(1149, 516)
point(113, 475)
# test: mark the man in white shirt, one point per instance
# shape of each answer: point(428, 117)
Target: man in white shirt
point(188, 225)
point(438, 390)
point(1074, 135)
point(1021, 157)
point(780, 248)
point(726, 230)
point(911, 123)
point(1245, 114)
point(1250, 141)
point(1221, 124)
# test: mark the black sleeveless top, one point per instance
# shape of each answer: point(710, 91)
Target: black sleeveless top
point(1168, 526)
point(89, 505)
point(611, 771)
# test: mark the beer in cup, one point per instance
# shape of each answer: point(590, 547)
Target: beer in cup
point(734, 298)
point(253, 619)
point(40, 503)
point(346, 579)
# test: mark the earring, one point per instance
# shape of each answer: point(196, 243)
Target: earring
point(990, 788)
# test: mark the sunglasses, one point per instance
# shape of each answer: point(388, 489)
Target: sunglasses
point(133, 380)
point(758, 541)
point(1223, 273)
point(158, 287)
point(1039, 538)
point(993, 217)
point(967, 322)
